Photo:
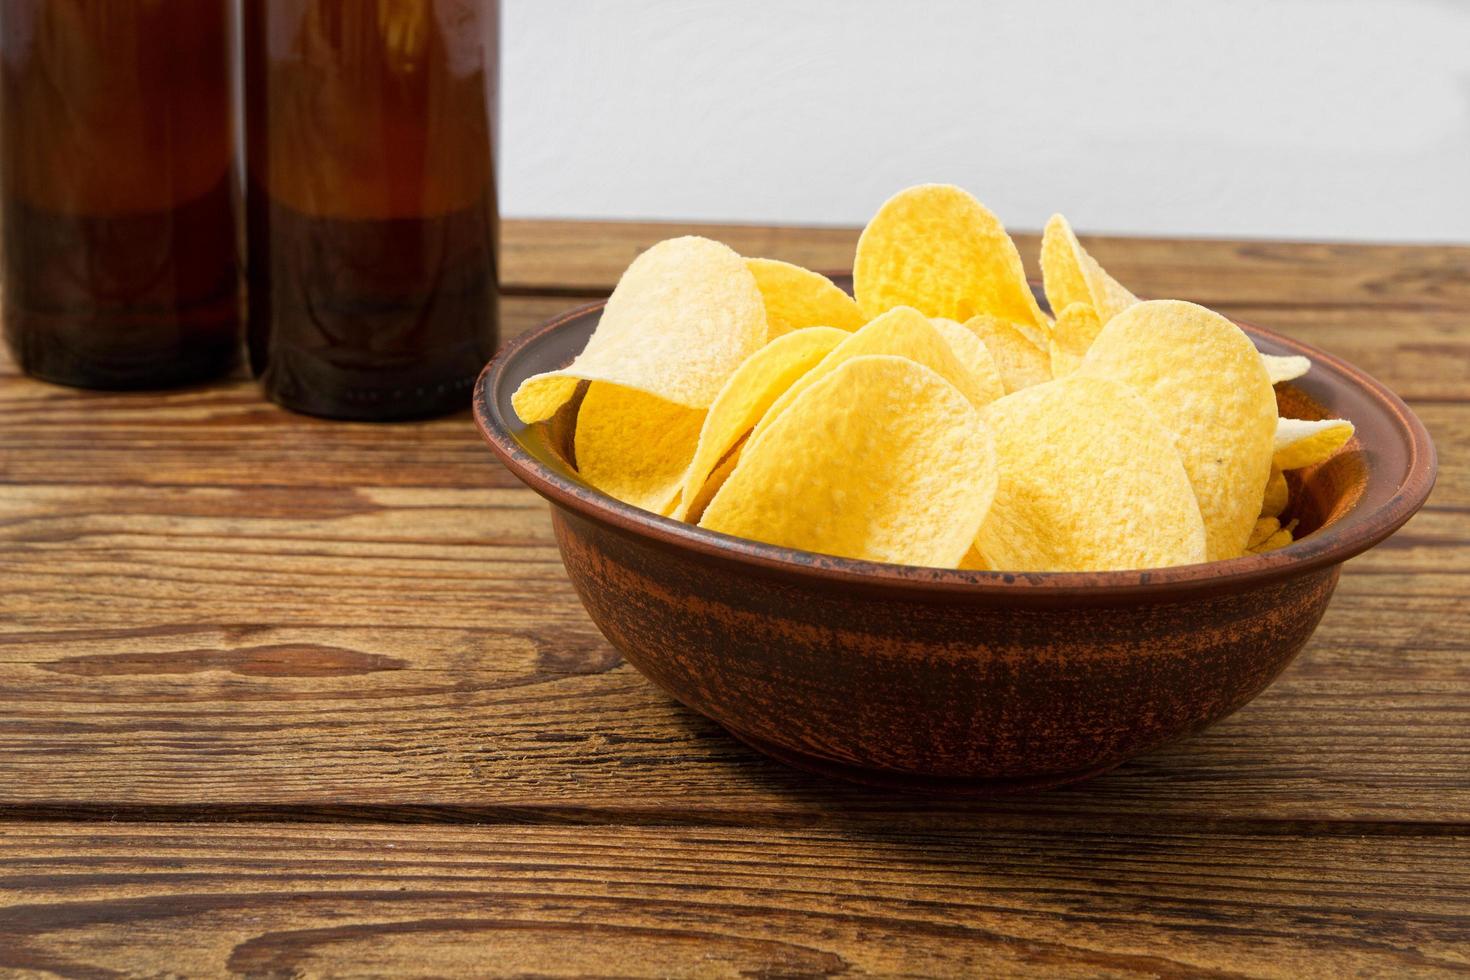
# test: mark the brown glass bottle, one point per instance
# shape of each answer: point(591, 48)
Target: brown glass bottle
point(371, 205)
point(119, 256)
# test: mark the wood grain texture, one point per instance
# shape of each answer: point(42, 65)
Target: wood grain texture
point(588, 257)
point(214, 611)
point(282, 900)
point(224, 434)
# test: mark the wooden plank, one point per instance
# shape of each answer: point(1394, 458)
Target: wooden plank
point(225, 437)
point(272, 900)
point(517, 314)
point(225, 434)
point(1421, 355)
point(1418, 353)
point(588, 256)
point(412, 647)
point(548, 264)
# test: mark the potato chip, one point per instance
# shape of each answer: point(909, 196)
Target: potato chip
point(1021, 361)
point(682, 318)
point(1089, 481)
point(1063, 362)
point(1062, 278)
point(902, 332)
point(635, 446)
point(1265, 527)
point(1300, 442)
point(1070, 275)
point(1075, 329)
point(694, 511)
point(1204, 378)
point(1287, 368)
point(746, 396)
point(935, 248)
point(1277, 494)
point(797, 297)
point(881, 459)
point(973, 561)
point(973, 354)
point(1086, 297)
point(1280, 539)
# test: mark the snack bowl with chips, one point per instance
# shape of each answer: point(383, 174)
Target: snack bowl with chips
point(953, 680)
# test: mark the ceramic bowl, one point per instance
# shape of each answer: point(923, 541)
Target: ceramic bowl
point(959, 681)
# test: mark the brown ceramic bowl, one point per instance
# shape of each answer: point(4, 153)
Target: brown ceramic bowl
point(959, 681)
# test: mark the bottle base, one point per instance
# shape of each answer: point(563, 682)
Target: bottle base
point(46, 355)
point(311, 387)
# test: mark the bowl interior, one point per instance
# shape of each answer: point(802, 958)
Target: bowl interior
point(1343, 506)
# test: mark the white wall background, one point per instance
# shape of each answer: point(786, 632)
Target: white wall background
point(1337, 119)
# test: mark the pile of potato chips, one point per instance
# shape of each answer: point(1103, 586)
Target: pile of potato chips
point(940, 417)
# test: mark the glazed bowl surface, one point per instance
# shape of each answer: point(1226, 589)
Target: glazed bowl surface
point(959, 681)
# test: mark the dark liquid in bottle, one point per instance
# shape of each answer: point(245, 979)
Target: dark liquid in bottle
point(370, 317)
point(371, 203)
point(120, 264)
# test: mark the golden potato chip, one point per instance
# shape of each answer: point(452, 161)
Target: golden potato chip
point(902, 332)
point(1287, 368)
point(682, 318)
point(1280, 539)
point(1265, 527)
point(1021, 361)
point(1062, 278)
point(973, 354)
point(1075, 329)
point(797, 297)
point(694, 512)
point(746, 396)
point(1063, 362)
point(973, 561)
point(1277, 494)
point(935, 248)
point(1081, 294)
point(1070, 275)
point(1300, 442)
point(1204, 378)
point(881, 459)
point(1089, 481)
point(635, 446)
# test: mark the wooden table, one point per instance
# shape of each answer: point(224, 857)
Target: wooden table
point(281, 695)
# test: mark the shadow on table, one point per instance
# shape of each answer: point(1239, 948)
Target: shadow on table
point(1210, 778)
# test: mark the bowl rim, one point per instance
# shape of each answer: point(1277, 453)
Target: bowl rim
point(1322, 549)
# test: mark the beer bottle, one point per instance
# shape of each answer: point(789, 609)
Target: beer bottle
point(371, 202)
point(118, 260)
